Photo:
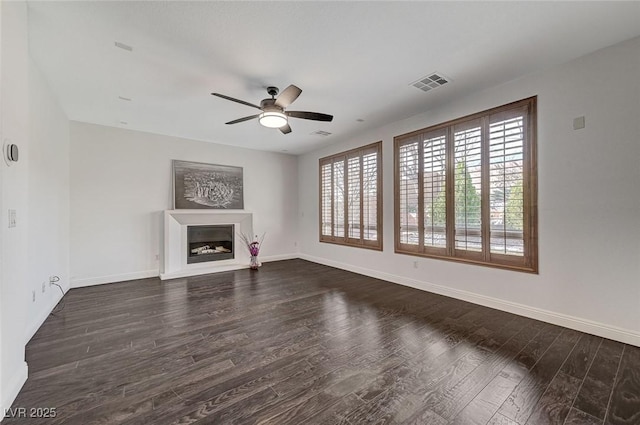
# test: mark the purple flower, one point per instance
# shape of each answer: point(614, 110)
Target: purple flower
point(253, 246)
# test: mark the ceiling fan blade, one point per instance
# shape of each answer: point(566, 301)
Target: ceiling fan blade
point(285, 129)
point(287, 96)
point(243, 119)
point(236, 100)
point(316, 116)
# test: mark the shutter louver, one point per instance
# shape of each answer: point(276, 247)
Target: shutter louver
point(325, 185)
point(506, 156)
point(434, 181)
point(370, 196)
point(467, 188)
point(338, 199)
point(354, 195)
point(408, 191)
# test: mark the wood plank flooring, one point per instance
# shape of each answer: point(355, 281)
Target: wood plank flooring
point(301, 343)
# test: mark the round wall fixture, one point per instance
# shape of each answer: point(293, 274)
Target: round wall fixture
point(12, 152)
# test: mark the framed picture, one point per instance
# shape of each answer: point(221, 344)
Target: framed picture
point(198, 185)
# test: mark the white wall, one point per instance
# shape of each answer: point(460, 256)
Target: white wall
point(2, 223)
point(121, 182)
point(37, 188)
point(15, 110)
point(14, 107)
point(589, 201)
point(48, 200)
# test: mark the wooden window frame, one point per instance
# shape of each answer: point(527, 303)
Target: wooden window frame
point(346, 240)
point(526, 263)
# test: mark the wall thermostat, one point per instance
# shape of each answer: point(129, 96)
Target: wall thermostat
point(12, 152)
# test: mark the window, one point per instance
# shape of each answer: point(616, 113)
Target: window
point(351, 197)
point(466, 190)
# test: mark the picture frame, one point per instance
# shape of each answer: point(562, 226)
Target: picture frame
point(198, 185)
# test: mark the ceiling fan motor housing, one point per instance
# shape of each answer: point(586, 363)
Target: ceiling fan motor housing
point(269, 105)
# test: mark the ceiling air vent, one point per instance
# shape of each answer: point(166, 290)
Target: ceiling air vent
point(321, 133)
point(431, 81)
point(124, 46)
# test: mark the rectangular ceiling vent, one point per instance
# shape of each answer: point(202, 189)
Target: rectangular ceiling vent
point(321, 133)
point(431, 81)
point(124, 46)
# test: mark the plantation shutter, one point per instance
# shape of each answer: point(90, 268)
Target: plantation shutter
point(350, 197)
point(465, 190)
point(434, 189)
point(506, 182)
point(326, 226)
point(370, 199)
point(354, 182)
point(338, 199)
point(467, 186)
point(408, 178)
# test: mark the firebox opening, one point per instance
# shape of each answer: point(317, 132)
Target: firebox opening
point(209, 243)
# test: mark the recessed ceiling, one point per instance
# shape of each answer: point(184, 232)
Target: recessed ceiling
point(354, 60)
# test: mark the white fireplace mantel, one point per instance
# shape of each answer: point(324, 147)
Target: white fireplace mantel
point(174, 264)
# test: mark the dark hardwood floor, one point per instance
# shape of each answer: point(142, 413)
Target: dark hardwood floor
point(301, 343)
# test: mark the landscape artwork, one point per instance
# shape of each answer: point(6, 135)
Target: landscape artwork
point(198, 185)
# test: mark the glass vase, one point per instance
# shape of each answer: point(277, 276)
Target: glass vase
point(254, 263)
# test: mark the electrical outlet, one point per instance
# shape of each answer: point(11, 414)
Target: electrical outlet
point(34, 295)
point(43, 286)
point(415, 264)
point(157, 257)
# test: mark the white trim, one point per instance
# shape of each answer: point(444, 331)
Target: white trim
point(279, 257)
point(35, 324)
point(201, 271)
point(15, 385)
point(232, 266)
point(99, 280)
point(627, 336)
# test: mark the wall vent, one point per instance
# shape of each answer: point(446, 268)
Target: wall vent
point(124, 46)
point(321, 133)
point(431, 81)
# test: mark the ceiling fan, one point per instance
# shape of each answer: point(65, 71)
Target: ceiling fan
point(274, 113)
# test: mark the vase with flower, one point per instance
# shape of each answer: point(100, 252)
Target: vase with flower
point(253, 245)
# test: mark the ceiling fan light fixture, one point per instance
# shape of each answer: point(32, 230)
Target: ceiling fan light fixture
point(273, 119)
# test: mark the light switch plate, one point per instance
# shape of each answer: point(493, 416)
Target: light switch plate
point(578, 123)
point(12, 218)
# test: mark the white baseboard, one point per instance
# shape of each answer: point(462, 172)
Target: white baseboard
point(222, 268)
point(584, 325)
point(16, 381)
point(99, 280)
point(202, 270)
point(39, 320)
point(279, 257)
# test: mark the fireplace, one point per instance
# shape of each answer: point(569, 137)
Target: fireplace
point(209, 243)
point(176, 256)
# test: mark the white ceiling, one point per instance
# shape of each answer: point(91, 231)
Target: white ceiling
point(354, 60)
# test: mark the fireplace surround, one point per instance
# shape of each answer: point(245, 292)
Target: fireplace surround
point(175, 262)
